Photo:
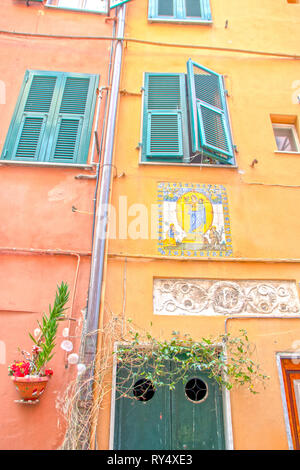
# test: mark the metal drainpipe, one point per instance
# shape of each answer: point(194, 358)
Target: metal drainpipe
point(89, 346)
point(99, 166)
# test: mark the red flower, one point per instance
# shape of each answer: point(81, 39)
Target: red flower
point(36, 349)
point(20, 369)
point(49, 372)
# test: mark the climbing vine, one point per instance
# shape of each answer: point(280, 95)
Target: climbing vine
point(226, 358)
point(140, 355)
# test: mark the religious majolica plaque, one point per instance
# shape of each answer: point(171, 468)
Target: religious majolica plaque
point(193, 220)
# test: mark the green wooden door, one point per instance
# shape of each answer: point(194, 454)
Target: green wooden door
point(142, 420)
point(197, 414)
point(187, 418)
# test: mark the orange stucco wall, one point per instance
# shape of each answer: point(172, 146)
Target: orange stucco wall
point(263, 199)
point(36, 213)
point(36, 202)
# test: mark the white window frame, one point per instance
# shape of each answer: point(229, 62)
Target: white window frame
point(81, 9)
point(179, 14)
point(295, 135)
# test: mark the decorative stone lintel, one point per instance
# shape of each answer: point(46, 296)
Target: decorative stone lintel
point(225, 297)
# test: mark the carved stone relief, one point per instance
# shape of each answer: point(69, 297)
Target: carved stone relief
point(215, 297)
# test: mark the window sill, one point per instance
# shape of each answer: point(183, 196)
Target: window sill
point(77, 10)
point(179, 20)
point(205, 165)
point(85, 166)
point(281, 152)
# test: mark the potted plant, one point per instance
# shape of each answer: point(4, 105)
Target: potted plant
point(31, 375)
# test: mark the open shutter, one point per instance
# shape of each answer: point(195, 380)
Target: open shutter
point(116, 3)
point(209, 116)
point(31, 124)
point(73, 117)
point(164, 116)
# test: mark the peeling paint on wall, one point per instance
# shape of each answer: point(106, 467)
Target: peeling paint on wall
point(64, 191)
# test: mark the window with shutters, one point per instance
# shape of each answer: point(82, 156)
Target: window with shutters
point(191, 11)
point(185, 118)
point(53, 118)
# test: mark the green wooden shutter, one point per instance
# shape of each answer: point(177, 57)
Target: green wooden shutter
point(164, 135)
point(116, 3)
point(31, 124)
point(53, 118)
point(210, 127)
point(70, 139)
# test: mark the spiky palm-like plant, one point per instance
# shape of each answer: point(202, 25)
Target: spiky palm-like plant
point(49, 326)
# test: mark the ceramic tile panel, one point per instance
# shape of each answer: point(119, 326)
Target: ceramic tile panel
point(193, 220)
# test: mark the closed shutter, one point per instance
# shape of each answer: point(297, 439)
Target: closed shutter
point(72, 120)
point(52, 119)
point(164, 116)
point(209, 116)
point(31, 125)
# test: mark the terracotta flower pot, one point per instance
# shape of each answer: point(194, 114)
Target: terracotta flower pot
point(30, 388)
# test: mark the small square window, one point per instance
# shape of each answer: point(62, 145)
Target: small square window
point(180, 11)
point(286, 138)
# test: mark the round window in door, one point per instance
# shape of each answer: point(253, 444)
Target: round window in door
point(196, 390)
point(143, 390)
